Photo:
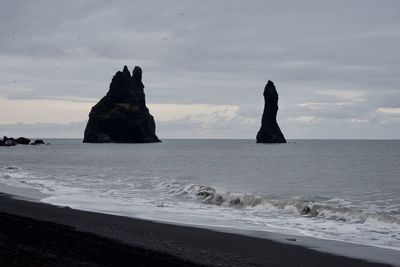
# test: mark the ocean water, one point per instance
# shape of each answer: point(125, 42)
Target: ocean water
point(351, 187)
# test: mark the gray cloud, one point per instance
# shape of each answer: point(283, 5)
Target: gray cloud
point(213, 52)
point(44, 130)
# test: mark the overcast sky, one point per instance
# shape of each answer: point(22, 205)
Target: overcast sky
point(336, 65)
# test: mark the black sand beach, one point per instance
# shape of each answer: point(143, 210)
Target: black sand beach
point(37, 234)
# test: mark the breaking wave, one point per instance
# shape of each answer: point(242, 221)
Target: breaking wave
point(331, 218)
point(313, 207)
point(16, 176)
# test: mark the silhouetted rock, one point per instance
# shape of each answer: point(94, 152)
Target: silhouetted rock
point(23, 141)
point(270, 131)
point(306, 210)
point(8, 141)
point(122, 116)
point(5, 138)
point(38, 142)
point(309, 211)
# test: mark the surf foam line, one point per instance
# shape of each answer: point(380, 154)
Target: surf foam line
point(189, 202)
point(315, 207)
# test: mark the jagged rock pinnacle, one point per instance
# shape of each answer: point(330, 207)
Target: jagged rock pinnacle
point(270, 131)
point(122, 116)
point(126, 71)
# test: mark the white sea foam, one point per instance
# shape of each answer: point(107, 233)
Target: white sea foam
point(328, 209)
point(189, 202)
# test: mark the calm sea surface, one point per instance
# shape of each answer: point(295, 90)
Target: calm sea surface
point(351, 188)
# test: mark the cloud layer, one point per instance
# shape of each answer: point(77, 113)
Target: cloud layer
point(205, 64)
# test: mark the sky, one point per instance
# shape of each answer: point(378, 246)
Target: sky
point(335, 64)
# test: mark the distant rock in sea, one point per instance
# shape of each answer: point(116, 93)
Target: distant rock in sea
point(10, 141)
point(23, 141)
point(122, 116)
point(38, 142)
point(270, 131)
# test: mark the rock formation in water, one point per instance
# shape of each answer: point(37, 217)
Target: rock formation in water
point(23, 141)
point(270, 131)
point(10, 141)
point(7, 141)
point(122, 116)
point(38, 142)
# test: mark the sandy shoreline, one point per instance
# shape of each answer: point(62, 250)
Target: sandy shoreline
point(187, 246)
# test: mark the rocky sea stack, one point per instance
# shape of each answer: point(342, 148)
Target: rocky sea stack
point(270, 131)
point(122, 116)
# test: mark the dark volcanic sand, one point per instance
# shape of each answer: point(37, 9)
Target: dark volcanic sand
point(47, 235)
point(28, 242)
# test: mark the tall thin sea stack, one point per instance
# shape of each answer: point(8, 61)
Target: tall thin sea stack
point(270, 131)
point(122, 116)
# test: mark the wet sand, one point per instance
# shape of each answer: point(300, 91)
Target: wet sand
point(38, 234)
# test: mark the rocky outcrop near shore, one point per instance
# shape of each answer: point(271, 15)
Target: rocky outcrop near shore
point(270, 131)
point(10, 141)
point(23, 141)
point(38, 142)
point(122, 116)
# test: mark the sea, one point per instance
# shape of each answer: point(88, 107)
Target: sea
point(345, 190)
